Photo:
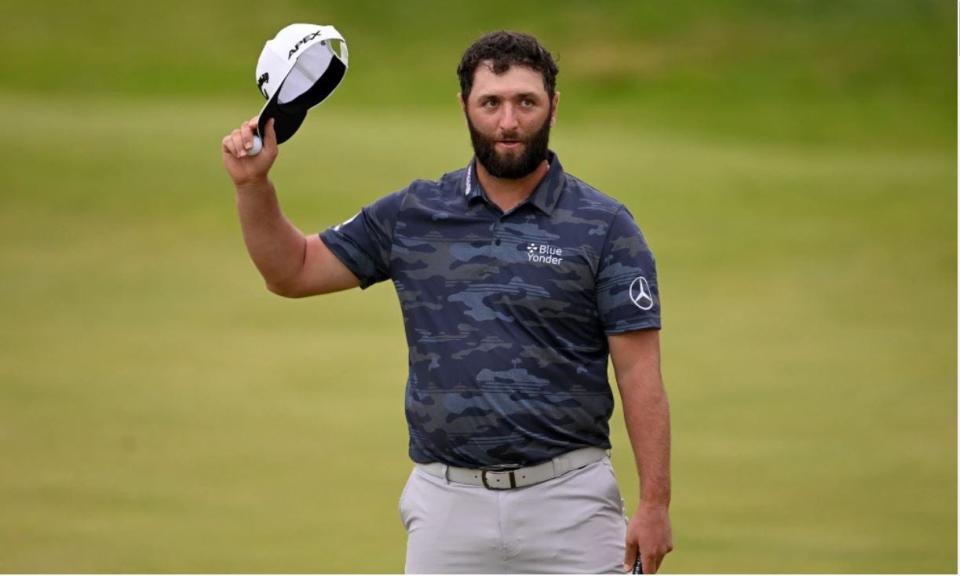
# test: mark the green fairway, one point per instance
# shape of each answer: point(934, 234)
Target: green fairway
point(160, 411)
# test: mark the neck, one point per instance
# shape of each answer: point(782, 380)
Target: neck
point(507, 193)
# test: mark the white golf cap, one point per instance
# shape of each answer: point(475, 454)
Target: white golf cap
point(297, 70)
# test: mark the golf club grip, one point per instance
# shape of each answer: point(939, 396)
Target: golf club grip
point(637, 565)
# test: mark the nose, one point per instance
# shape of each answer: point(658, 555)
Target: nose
point(508, 118)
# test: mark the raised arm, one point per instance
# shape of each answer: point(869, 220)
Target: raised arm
point(636, 363)
point(292, 265)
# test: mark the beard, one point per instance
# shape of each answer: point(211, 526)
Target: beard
point(511, 165)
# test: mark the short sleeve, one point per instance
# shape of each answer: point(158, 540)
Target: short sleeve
point(363, 242)
point(627, 294)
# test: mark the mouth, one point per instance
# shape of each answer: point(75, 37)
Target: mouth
point(509, 144)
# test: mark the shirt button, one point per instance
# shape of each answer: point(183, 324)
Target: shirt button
point(497, 241)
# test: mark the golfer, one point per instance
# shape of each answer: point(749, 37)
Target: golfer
point(517, 281)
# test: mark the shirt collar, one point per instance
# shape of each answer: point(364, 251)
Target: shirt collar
point(545, 196)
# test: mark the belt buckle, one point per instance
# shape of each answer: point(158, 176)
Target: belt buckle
point(510, 474)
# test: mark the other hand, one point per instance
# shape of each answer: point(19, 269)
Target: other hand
point(649, 533)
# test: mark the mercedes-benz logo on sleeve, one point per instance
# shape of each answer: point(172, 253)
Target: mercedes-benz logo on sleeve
point(640, 293)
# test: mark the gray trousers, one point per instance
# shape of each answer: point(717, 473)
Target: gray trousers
point(571, 524)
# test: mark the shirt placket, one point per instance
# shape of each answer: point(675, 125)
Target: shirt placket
point(495, 240)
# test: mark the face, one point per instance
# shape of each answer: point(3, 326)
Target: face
point(509, 117)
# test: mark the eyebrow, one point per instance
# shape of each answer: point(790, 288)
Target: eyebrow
point(530, 95)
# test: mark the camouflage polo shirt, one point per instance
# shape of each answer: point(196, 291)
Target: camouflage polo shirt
point(506, 315)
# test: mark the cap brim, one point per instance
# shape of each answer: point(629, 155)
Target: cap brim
point(286, 119)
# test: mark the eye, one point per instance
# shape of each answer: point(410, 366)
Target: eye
point(527, 103)
point(489, 103)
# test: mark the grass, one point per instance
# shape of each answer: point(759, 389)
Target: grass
point(160, 411)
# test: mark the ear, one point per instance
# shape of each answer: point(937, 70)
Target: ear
point(463, 105)
point(556, 106)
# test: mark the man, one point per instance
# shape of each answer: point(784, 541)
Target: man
point(516, 282)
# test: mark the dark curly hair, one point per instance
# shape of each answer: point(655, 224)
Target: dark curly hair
point(505, 49)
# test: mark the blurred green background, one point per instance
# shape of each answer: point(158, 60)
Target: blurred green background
point(792, 163)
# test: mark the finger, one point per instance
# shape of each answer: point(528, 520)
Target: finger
point(238, 144)
point(629, 557)
point(230, 145)
point(246, 134)
point(651, 563)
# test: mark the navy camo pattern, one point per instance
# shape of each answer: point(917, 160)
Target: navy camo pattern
point(506, 315)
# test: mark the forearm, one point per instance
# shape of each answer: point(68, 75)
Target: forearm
point(636, 362)
point(276, 246)
point(647, 415)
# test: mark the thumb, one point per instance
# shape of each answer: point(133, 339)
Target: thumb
point(270, 137)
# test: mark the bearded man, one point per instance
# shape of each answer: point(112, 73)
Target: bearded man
point(517, 282)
